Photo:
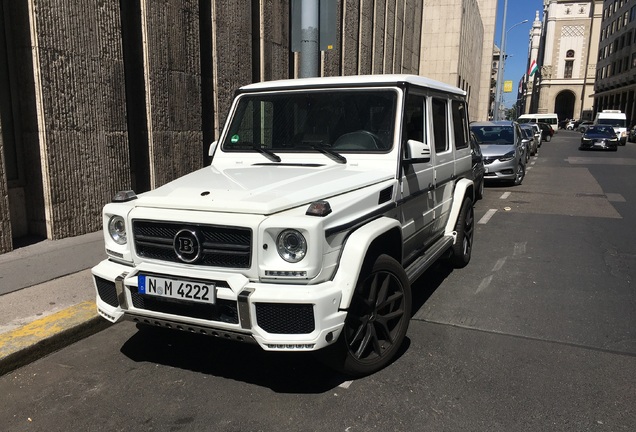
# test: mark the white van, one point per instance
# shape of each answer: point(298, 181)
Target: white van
point(617, 120)
point(552, 119)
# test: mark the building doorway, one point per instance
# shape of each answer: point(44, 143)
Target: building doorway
point(564, 105)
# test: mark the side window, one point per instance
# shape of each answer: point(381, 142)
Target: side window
point(440, 125)
point(460, 124)
point(414, 116)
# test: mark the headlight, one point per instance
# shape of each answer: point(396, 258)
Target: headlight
point(117, 229)
point(291, 245)
point(507, 156)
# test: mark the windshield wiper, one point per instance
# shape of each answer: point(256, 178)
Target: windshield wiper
point(332, 154)
point(268, 154)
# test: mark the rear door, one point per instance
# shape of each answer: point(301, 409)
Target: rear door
point(417, 209)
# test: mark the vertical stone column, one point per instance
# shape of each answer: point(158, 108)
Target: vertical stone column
point(79, 105)
point(5, 222)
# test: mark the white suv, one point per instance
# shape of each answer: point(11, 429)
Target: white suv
point(325, 199)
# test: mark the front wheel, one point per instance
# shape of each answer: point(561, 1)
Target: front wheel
point(465, 229)
point(376, 323)
point(520, 174)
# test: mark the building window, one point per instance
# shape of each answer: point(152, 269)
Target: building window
point(569, 53)
point(634, 60)
point(569, 66)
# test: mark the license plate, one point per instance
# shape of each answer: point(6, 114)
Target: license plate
point(197, 291)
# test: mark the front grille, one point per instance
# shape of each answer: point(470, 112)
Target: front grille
point(279, 318)
point(223, 311)
point(221, 246)
point(107, 291)
point(489, 160)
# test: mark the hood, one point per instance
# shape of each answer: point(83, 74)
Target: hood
point(258, 189)
point(490, 150)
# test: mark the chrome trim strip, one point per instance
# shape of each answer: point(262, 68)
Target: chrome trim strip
point(121, 292)
point(244, 308)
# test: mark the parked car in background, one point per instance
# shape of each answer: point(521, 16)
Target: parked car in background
point(546, 131)
point(631, 135)
point(584, 125)
point(570, 124)
point(537, 134)
point(532, 144)
point(478, 167)
point(599, 137)
point(503, 150)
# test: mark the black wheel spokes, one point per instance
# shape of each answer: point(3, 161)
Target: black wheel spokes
point(468, 232)
point(378, 315)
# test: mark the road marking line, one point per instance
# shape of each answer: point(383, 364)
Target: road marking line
point(490, 213)
point(499, 264)
point(485, 283)
point(505, 195)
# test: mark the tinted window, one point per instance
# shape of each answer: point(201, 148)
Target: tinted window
point(460, 124)
point(439, 125)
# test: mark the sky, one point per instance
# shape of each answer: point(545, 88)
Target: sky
point(516, 39)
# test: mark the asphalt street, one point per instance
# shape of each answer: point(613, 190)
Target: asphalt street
point(537, 333)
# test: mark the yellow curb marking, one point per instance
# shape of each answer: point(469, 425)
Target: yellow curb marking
point(43, 328)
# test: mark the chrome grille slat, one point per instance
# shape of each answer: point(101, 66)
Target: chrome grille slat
point(221, 246)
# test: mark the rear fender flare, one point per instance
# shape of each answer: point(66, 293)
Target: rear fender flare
point(463, 188)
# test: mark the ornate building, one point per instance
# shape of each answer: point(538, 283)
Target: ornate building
point(566, 53)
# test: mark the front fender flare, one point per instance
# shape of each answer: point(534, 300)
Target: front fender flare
point(354, 253)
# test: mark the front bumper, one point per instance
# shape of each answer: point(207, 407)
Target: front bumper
point(598, 145)
point(278, 317)
point(497, 170)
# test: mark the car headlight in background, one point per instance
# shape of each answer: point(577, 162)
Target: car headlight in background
point(508, 156)
point(117, 229)
point(291, 245)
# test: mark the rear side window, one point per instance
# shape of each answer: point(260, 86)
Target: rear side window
point(460, 124)
point(439, 125)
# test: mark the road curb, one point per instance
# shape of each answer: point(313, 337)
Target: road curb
point(46, 335)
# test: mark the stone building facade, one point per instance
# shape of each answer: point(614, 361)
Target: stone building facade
point(100, 96)
point(615, 86)
point(453, 45)
point(567, 58)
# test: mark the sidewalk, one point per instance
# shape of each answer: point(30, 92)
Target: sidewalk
point(47, 298)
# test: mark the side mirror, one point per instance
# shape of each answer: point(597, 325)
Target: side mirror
point(417, 151)
point(212, 148)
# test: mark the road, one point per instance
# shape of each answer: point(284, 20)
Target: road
point(537, 333)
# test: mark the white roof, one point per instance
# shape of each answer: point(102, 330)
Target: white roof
point(355, 80)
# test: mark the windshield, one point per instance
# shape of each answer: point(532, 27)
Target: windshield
point(612, 122)
point(335, 120)
point(494, 134)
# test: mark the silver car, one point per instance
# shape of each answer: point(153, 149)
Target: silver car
point(503, 148)
point(533, 142)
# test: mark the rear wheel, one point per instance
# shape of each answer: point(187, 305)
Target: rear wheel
point(465, 229)
point(376, 323)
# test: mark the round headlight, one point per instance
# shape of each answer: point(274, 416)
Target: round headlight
point(291, 245)
point(117, 229)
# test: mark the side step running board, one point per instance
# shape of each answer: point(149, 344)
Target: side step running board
point(420, 265)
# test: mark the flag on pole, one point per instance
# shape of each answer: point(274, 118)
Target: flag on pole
point(533, 68)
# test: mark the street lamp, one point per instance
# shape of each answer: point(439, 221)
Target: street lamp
point(502, 61)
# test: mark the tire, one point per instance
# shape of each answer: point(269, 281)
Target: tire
point(520, 174)
point(548, 138)
point(376, 323)
point(479, 193)
point(465, 229)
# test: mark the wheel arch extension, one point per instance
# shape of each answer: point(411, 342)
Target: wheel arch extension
point(380, 236)
point(463, 188)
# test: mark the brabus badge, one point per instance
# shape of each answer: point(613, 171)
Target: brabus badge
point(187, 245)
